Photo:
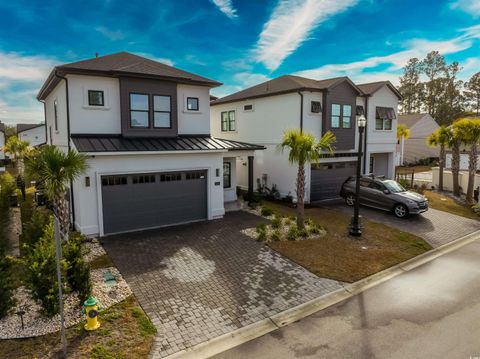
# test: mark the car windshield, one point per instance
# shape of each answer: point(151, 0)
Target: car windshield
point(394, 187)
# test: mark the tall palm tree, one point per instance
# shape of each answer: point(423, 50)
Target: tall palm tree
point(17, 148)
point(55, 170)
point(468, 131)
point(403, 133)
point(454, 144)
point(304, 149)
point(440, 138)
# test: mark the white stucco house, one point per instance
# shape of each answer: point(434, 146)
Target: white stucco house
point(145, 128)
point(34, 134)
point(262, 113)
point(416, 148)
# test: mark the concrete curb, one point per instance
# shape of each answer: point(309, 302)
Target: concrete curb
point(230, 340)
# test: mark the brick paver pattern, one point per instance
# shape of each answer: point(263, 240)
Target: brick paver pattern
point(436, 227)
point(202, 280)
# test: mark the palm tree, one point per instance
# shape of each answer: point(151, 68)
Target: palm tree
point(17, 148)
point(440, 138)
point(55, 170)
point(468, 131)
point(304, 149)
point(403, 133)
point(454, 144)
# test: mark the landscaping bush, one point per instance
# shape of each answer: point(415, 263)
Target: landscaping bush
point(78, 271)
point(302, 232)
point(266, 211)
point(6, 284)
point(276, 222)
point(33, 230)
point(261, 232)
point(276, 235)
point(41, 276)
point(292, 233)
point(314, 229)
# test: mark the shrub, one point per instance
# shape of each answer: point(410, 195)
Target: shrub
point(261, 227)
point(315, 229)
point(288, 221)
point(7, 189)
point(292, 233)
point(32, 230)
point(78, 271)
point(276, 235)
point(6, 284)
point(266, 211)
point(261, 236)
point(309, 222)
point(276, 222)
point(41, 276)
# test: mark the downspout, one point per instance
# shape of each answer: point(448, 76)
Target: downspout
point(365, 139)
point(301, 110)
point(72, 199)
point(45, 119)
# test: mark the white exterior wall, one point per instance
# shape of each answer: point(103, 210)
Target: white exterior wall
point(193, 122)
point(94, 119)
point(230, 194)
point(448, 179)
point(382, 141)
point(88, 202)
point(34, 136)
point(59, 137)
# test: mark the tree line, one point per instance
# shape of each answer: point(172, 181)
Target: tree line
point(432, 85)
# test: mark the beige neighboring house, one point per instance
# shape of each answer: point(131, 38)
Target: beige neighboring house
point(416, 148)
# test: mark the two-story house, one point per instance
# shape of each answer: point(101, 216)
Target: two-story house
point(34, 134)
point(145, 128)
point(262, 113)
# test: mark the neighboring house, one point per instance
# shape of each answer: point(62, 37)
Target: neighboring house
point(464, 158)
point(145, 128)
point(2, 143)
point(262, 113)
point(416, 148)
point(34, 134)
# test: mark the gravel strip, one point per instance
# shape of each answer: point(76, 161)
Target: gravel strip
point(93, 249)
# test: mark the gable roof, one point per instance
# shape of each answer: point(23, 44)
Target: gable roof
point(412, 119)
point(27, 126)
point(126, 64)
point(372, 87)
point(285, 84)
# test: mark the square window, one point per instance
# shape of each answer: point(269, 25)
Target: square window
point(95, 98)
point(161, 120)
point(138, 102)
point(139, 118)
point(387, 124)
point(228, 121)
point(316, 107)
point(192, 103)
point(161, 103)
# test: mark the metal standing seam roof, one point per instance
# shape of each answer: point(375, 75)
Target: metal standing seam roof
point(118, 143)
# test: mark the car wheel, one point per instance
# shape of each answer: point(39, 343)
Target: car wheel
point(350, 199)
point(400, 210)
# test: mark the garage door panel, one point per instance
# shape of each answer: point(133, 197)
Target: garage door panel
point(327, 179)
point(135, 206)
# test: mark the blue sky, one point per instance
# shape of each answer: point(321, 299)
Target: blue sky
point(237, 42)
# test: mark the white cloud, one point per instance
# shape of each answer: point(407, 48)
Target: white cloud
point(395, 61)
point(15, 66)
point(226, 7)
point(471, 7)
point(291, 24)
point(110, 34)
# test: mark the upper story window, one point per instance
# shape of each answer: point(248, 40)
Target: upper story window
point(347, 116)
point(139, 110)
point(316, 107)
point(96, 98)
point(248, 107)
point(335, 116)
point(384, 118)
point(55, 114)
point(228, 121)
point(162, 112)
point(192, 104)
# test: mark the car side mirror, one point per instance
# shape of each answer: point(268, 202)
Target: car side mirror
point(386, 191)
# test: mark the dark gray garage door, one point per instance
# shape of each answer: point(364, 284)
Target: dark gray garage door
point(147, 200)
point(327, 179)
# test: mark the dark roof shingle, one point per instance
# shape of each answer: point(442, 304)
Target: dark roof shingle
point(27, 126)
point(411, 119)
point(372, 87)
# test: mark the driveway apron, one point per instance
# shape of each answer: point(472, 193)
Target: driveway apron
point(202, 280)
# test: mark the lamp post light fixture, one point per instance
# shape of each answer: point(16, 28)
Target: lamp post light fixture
point(355, 225)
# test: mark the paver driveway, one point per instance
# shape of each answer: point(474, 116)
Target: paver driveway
point(436, 227)
point(202, 280)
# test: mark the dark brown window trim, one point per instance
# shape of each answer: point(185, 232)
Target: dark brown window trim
point(198, 104)
point(228, 127)
point(103, 98)
point(169, 112)
point(130, 110)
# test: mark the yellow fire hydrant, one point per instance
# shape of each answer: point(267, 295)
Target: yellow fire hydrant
point(91, 310)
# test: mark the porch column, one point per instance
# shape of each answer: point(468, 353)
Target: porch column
point(250, 178)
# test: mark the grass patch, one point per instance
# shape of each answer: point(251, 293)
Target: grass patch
point(341, 257)
point(101, 262)
point(447, 204)
point(122, 335)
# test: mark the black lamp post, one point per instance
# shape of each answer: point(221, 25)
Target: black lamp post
point(355, 225)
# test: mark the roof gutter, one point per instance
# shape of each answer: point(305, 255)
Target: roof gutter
point(72, 199)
